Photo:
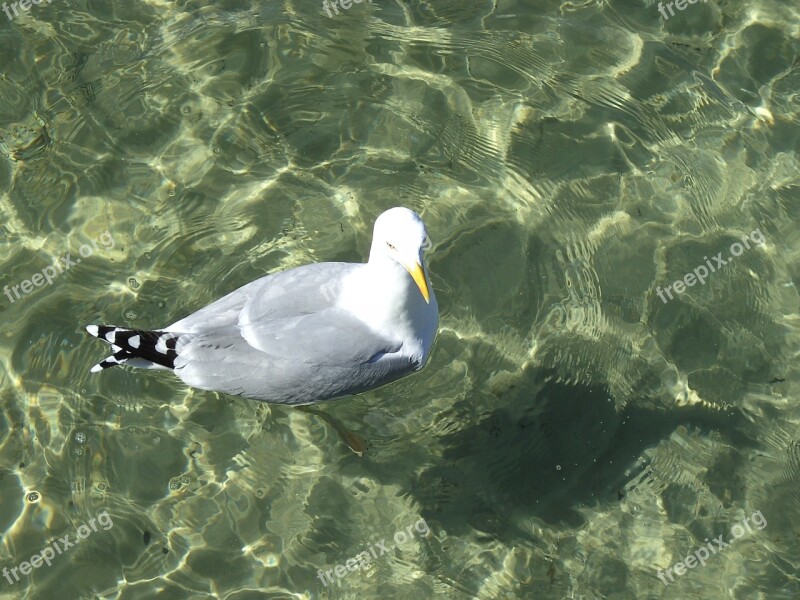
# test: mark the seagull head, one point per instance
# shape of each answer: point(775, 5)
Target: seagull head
point(400, 235)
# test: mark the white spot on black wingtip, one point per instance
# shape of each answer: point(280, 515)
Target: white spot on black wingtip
point(158, 347)
point(96, 369)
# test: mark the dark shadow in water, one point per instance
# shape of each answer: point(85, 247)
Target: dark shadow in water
point(549, 449)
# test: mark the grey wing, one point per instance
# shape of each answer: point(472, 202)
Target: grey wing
point(307, 361)
point(304, 290)
point(286, 293)
point(281, 338)
point(294, 316)
point(331, 337)
point(220, 313)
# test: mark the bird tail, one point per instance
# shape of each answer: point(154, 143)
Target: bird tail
point(136, 347)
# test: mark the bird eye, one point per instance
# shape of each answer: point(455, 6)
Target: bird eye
point(391, 247)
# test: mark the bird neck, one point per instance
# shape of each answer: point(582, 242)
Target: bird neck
point(385, 288)
point(383, 295)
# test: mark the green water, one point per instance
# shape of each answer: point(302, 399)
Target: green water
point(577, 432)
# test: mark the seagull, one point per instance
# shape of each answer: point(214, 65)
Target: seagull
point(305, 335)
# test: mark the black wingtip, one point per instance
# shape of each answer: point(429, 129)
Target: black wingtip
point(159, 347)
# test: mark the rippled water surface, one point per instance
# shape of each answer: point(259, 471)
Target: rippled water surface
point(584, 423)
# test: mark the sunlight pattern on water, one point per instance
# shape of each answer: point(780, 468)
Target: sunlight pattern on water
point(574, 435)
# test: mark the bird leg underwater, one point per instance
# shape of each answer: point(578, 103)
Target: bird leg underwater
point(352, 440)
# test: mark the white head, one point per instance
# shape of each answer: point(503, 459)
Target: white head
point(400, 235)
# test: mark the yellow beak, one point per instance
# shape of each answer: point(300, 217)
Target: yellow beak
point(418, 275)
